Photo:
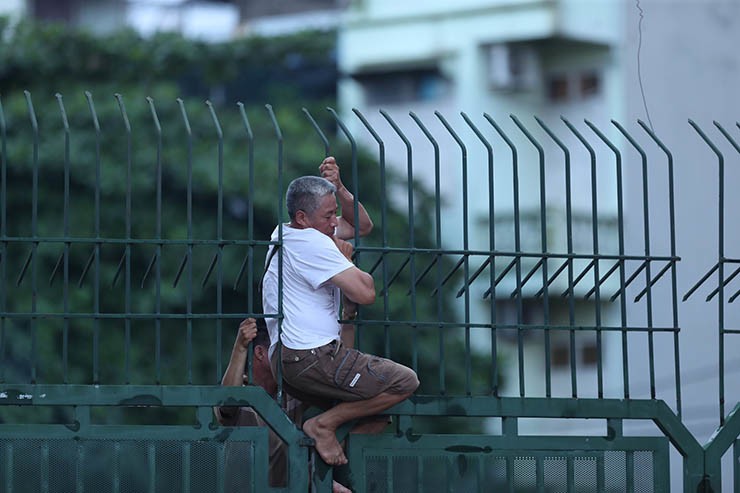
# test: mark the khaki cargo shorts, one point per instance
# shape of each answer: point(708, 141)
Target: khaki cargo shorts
point(334, 372)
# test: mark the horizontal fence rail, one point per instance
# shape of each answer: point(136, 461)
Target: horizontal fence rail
point(523, 267)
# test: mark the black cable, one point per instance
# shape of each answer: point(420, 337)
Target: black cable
point(639, 64)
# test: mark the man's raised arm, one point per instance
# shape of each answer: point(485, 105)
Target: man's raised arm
point(357, 285)
point(329, 169)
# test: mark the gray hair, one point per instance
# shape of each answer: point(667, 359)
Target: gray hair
point(305, 193)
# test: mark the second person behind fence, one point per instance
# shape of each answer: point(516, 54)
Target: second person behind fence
point(317, 271)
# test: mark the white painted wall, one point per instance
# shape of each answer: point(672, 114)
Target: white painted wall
point(689, 69)
point(380, 36)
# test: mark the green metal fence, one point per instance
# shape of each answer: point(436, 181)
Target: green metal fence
point(132, 236)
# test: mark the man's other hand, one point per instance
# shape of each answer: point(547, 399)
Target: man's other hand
point(344, 246)
point(247, 333)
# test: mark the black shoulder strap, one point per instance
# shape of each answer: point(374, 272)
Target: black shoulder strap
point(267, 266)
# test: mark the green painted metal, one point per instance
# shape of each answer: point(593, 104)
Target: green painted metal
point(542, 245)
point(454, 463)
point(123, 458)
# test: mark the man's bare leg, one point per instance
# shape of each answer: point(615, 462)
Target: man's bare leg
point(339, 488)
point(323, 428)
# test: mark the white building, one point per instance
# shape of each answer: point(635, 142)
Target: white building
point(660, 61)
point(499, 57)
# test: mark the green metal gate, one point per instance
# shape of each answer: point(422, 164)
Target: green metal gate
point(513, 289)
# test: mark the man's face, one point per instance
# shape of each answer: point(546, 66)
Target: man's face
point(324, 218)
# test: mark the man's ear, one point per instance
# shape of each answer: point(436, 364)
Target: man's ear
point(301, 218)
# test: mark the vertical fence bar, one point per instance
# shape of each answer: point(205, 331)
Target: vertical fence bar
point(412, 227)
point(96, 251)
point(117, 466)
point(355, 179)
point(318, 130)
point(220, 233)
point(3, 235)
point(189, 253)
point(510, 473)
point(279, 137)
point(438, 244)
point(466, 245)
point(597, 260)
point(517, 234)
point(152, 466)
point(622, 280)
point(510, 428)
point(34, 234)
point(355, 200)
point(721, 285)
point(250, 212)
point(156, 259)
point(250, 230)
point(491, 259)
point(539, 474)
point(383, 229)
point(389, 473)
point(569, 241)
point(80, 468)
point(221, 466)
point(67, 244)
point(127, 248)
point(44, 459)
point(480, 473)
point(721, 266)
point(646, 233)
point(543, 235)
point(9, 461)
point(724, 333)
point(449, 471)
point(630, 480)
point(186, 467)
point(570, 474)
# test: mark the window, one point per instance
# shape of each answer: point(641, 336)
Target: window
point(575, 86)
point(512, 66)
point(586, 353)
point(557, 88)
point(589, 84)
point(403, 86)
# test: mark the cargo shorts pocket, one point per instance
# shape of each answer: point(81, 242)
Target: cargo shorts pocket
point(297, 362)
point(347, 373)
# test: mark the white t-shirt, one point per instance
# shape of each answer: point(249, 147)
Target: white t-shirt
point(310, 300)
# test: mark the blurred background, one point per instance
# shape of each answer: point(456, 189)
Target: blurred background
point(662, 62)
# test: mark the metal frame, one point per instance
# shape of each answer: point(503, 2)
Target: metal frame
point(533, 267)
point(466, 456)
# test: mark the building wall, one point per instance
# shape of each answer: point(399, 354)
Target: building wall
point(690, 69)
point(461, 44)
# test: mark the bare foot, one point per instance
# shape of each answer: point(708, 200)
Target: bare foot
point(326, 442)
point(339, 488)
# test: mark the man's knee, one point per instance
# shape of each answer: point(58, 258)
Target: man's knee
point(406, 381)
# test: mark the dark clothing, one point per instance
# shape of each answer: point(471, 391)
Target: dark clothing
point(335, 373)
